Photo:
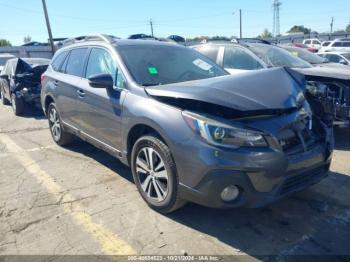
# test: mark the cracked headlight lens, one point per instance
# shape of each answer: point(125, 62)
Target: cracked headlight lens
point(220, 134)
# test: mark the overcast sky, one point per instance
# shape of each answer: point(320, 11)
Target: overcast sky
point(183, 17)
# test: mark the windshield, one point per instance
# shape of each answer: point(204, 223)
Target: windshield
point(275, 56)
point(162, 64)
point(306, 55)
point(346, 55)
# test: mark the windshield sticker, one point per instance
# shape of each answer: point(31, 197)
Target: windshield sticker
point(202, 64)
point(153, 70)
point(295, 53)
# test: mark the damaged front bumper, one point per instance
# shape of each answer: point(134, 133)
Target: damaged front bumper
point(263, 175)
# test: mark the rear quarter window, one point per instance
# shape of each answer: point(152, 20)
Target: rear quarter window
point(58, 60)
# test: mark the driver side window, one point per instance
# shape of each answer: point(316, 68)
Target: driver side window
point(101, 62)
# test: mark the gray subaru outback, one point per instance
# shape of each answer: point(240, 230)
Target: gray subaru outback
point(188, 130)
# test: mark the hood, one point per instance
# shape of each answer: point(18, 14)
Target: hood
point(272, 89)
point(336, 72)
point(22, 67)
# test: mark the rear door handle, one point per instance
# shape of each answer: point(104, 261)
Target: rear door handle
point(81, 93)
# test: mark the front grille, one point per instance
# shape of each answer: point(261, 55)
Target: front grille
point(301, 180)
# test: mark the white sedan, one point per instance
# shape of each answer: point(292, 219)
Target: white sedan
point(337, 57)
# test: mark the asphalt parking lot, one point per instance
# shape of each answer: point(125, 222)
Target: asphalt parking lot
point(80, 200)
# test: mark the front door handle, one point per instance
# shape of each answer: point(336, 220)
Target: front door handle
point(81, 93)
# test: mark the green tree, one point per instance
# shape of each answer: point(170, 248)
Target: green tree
point(300, 29)
point(348, 28)
point(220, 38)
point(4, 42)
point(27, 39)
point(266, 34)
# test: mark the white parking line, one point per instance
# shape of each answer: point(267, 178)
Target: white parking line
point(111, 244)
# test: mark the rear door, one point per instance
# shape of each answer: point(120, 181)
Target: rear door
point(67, 83)
point(100, 109)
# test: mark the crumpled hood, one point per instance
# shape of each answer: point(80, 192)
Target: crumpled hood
point(258, 90)
point(326, 71)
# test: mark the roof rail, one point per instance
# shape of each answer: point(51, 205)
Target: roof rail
point(110, 39)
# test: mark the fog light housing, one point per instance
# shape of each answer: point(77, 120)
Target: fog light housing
point(230, 193)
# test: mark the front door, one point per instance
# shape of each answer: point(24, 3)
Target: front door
point(100, 109)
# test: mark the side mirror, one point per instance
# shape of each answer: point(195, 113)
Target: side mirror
point(101, 81)
point(343, 62)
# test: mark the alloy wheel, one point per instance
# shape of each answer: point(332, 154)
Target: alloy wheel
point(55, 124)
point(152, 174)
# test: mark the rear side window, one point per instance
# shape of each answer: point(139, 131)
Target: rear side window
point(209, 51)
point(57, 62)
point(346, 44)
point(76, 61)
point(237, 58)
point(334, 58)
point(307, 42)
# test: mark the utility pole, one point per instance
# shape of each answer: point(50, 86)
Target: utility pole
point(240, 23)
point(276, 17)
point(48, 27)
point(151, 24)
point(332, 22)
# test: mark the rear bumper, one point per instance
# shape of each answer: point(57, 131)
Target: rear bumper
point(29, 97)
point(258, 188)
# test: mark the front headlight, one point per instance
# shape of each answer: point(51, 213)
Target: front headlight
point(220, 134)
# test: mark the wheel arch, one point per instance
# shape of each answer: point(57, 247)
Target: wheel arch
point(48, 100)
point(139, 130)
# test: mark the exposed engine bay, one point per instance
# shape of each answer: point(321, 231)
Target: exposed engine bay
point(296, 121)
point(26, 82)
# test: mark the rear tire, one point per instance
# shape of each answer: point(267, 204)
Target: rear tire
point(4, 101)
point(17, 104)
point(155, 174)
point(59, 135)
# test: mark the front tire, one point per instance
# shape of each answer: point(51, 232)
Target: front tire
point(155, 175)
point(17, 104)
point(59, 135)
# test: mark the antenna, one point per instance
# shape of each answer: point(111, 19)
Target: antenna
point(276, 17)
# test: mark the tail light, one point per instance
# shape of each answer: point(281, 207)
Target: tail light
point(42, 77)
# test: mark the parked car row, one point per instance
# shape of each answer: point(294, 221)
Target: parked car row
point(188, 129)
point(337, 45)
point(237, 58)
point(20, 82)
